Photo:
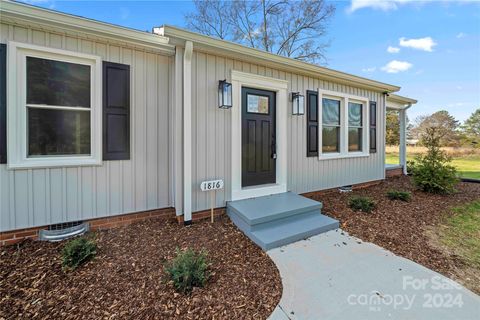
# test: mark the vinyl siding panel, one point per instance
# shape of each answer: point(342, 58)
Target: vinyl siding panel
point(211, 133)
point(37, 197)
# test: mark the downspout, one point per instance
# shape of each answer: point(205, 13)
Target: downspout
point(187, 133)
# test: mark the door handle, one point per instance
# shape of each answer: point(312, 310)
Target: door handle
point(274, 148)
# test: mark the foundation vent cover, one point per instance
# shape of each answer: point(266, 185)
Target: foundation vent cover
point(62, 231)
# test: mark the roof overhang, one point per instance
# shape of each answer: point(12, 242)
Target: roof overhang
point(229, 49)
point(396, 102)
point(49, 20)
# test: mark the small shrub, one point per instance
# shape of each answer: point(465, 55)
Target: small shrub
point(188, 269)
point(78, 251)
point(359, 203)
point(410, 165)
point(432, 172)
point(399, 195)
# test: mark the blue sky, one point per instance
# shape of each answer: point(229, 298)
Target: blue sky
point(429, 48)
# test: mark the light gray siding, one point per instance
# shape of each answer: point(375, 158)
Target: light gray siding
point(211, 134)
point(38, 197)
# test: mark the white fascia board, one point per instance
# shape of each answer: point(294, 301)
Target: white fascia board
point(48, 19)
point(400, 100)
point(233, 50)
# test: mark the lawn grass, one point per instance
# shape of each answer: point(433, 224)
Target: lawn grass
point(467, 166)
point(461, 233)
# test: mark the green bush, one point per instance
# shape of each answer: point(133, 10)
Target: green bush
point(399, 195)
point(433, 172)
point(359, 203)
point(188, 269)
point(78, 251)
point(410, 165)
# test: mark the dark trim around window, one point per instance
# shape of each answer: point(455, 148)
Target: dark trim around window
point(3, 103)
point(312, 123)
point(373, 126)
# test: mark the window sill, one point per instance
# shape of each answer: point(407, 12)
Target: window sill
point(36, 163)
point(334, 156)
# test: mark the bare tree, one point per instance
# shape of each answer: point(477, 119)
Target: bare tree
point(210, 18)
point(290, 28)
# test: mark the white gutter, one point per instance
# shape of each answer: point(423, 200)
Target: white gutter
point(187, 133)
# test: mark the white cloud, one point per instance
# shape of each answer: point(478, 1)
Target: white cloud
point(391, 49)
point(425, 44)
point(396, 66)
point(371, 69)
point(461, 35)
point(387, 5)
point(374, 4)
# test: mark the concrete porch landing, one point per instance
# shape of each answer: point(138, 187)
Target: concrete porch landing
point(276, 220)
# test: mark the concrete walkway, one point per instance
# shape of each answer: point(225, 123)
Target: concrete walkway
point(336, 276)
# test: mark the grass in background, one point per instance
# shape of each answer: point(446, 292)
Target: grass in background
point(461, 233)
point(466, 160)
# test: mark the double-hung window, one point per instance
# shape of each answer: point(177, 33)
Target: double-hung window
point(343, 119)
point(55, 109)
point(330, 125)
point(355, 126)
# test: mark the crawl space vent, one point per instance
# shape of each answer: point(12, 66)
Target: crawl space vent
point(61, 231)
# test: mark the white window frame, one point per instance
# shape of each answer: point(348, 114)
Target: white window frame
point(344, 100)
point(17, 143)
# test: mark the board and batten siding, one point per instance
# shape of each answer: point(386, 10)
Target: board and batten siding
point(211, 133)
point(37, 197)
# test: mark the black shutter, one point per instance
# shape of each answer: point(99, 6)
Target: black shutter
point(116, 111)
point(373, 127)
point(3, 103)
point(312, 123)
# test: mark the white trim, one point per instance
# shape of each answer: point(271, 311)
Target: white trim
point(16, 107)
point(187, 131)
point(402, 114)
point(177, 134)
point(344, 100)
point(239, 80)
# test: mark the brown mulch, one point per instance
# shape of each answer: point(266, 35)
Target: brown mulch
point(403, 227)
point(126, 279)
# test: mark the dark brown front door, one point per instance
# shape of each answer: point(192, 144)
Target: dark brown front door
point(258, 137)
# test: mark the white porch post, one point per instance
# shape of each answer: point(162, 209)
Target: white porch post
point(187, 133)
point(403, 136)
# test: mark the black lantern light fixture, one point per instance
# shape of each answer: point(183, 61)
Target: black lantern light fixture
point(224, 94)
point(298, 104)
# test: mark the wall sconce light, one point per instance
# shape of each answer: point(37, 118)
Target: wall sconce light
point(298, 104)
point(224, 94)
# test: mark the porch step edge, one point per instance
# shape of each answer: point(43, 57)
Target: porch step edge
point(273, 207)
point(274, 236)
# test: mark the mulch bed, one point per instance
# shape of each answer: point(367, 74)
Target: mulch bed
point(126, 279)
point(402, 227)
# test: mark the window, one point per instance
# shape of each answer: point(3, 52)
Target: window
point(56, 106)
point(355, 126)
point(257, 104)
point(343, 118)
point(330, 125)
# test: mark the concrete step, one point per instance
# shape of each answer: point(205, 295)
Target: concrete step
point(291, 230)
point(273, 207)
point(276, 220)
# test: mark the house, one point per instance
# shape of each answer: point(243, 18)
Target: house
point(106, 124)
